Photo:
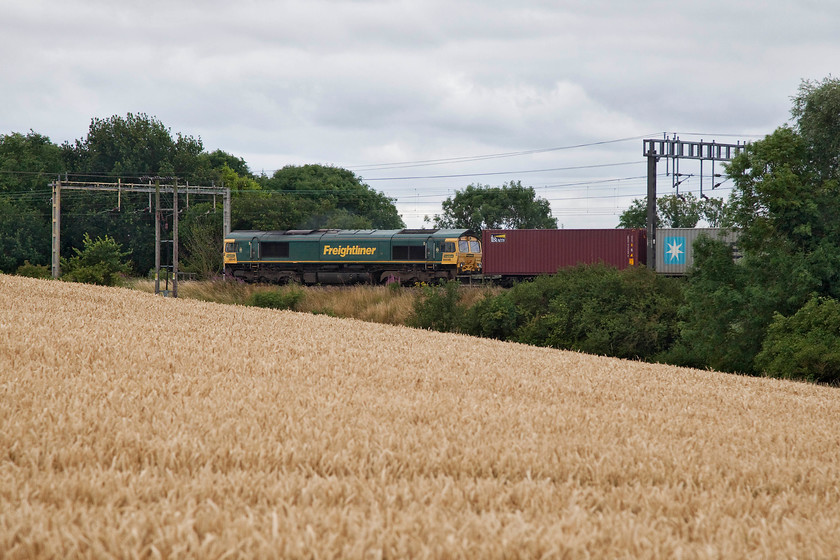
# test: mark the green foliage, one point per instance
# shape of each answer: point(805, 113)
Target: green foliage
point(598, 309)
point(99, 262)
point(816, 110)
point(805, 345)
point(785, 206)
point(510, 206)
point(276, 299)
point(492, 317)
point(219, 160)
point(228, 177)
point(437, 308)
point(672, 211)
point(134, 145)
point(202, 240)
point(27, 164)
point(24, 235)
point(719, 318)
point(34, 270)
point(323, 196)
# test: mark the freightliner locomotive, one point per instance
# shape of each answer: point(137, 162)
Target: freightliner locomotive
point(332, 256)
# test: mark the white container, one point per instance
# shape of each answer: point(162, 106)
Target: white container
point(674, 247)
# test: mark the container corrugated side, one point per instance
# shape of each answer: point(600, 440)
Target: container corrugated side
point(530, 252)
point(675, 247)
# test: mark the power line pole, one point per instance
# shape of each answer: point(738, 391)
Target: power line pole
point(157, 236)
point(174, 237)
point(651, 208)
point(56, 228)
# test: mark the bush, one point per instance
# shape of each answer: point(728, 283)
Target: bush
point(34, 270)
point(276, 299)
point(628, 313)
point(492, 317)
point(596, 309)
point(805, 345)
point(437, 308)
point(99, 262)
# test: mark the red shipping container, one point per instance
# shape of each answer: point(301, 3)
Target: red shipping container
point(530, 252)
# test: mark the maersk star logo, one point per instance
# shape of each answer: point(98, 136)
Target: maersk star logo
point(675, 250)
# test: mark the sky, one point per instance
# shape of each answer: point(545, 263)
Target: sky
point(422, 98)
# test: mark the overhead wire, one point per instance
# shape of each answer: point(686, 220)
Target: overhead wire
point(406, 198)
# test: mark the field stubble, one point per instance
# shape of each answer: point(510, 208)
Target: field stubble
point(137, 426)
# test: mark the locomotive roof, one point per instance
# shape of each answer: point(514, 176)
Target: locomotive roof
point(313, 234)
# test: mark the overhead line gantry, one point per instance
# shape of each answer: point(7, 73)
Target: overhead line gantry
point(673, 150)
point(152, 186)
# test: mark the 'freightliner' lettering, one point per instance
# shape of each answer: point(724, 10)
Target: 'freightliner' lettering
point(343, 251)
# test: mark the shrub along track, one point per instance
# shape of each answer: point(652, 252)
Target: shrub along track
point(137, 426)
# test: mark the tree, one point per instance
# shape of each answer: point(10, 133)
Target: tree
point(24, 235)
point(27, 164)
point(785, 205)
point(675, 211)
point(202, 239)
point(816, 111)
point(510, 206)
point(805, 345)
point(219, 159)
point(325, 196)
point(131, 146)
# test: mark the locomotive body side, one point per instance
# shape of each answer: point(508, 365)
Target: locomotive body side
point(350, 256)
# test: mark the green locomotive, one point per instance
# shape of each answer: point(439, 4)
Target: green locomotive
point(332, 256)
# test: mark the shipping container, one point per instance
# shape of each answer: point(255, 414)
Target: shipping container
point(675, 247)
point(531, 252)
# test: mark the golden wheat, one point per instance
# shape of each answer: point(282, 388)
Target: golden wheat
point(142, 427)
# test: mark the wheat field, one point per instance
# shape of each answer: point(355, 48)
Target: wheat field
point(133, 426)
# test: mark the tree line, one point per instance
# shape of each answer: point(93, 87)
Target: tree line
point(136, 145)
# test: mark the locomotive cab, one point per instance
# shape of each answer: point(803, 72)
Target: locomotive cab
point(464, 252)
point(230, 251)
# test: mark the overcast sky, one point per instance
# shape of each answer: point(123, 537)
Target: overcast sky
point(411, 95)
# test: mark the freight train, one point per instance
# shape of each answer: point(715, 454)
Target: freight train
point(330, 256)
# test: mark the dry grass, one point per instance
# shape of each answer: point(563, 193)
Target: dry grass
point(375, 304)
point(138, 426)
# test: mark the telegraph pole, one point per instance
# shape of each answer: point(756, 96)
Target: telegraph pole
point(56, 229)
point(157, 236)
point(175, 238)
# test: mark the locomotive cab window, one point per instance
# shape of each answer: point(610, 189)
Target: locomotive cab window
point(230, 247)
point(448, 247)
point(463, 246)
point(475, 246)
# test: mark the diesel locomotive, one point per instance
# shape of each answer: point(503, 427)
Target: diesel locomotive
point(332, 256)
